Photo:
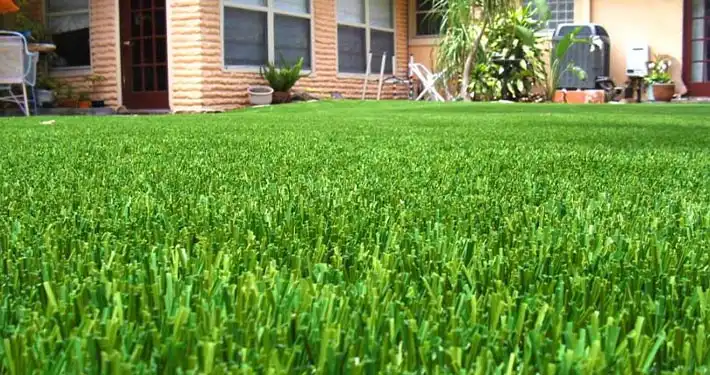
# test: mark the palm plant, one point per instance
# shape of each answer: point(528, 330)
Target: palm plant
point(468, 21)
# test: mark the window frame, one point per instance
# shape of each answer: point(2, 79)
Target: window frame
point(270, 11)
point(368, 28)
point(549, 31)
point(70, 70)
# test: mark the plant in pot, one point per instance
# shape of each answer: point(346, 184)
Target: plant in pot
point(281, 80)
point(46, 90)
point(67, 98)
point(660, 81)
point(92, 81)
point(84, 100)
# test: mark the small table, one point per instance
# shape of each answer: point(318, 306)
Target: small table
point(41, 47)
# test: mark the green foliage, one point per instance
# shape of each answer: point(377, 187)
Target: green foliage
point(659, 71)
point(556, 69)
point(513, 36)
point(284, 78)
point(47, 82)
point(25, 21)
point(464, 29)
point(358, 238)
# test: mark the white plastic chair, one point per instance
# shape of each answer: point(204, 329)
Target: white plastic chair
point(18, 67)
point(429, 81)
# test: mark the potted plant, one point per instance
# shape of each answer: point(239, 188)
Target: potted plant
point(92, 81)
point(84, 100)
point(660, 81)
point(282, 80)
point(66, 98)
point(46, 90)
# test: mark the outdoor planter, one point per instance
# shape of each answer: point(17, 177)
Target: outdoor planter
point(281, 97)
point(260, 95)
point(67, 103)
point(84, 104)
point(649, 93)
point(44, 97)
point(663, 92)
point(98, 104)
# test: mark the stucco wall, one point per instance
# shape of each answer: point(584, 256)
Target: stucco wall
point(187, 53)
point(658, 23)
point(424, 51)
point(208, 86)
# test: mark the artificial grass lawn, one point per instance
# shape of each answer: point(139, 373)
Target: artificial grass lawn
point(358, 238)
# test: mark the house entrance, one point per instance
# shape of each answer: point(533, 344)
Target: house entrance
point(144, 57)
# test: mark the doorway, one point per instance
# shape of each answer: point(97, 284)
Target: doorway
point(144, 57)
point(696, 51)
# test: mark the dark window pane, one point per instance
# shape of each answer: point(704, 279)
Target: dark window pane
point(73, 49)
point(245, 37)
point(147, 4)
point(161, 52)
point(135, 4)
point(137, 79)
point(147, 19)
point(147, 51)
point(159, 3)
point(160, 23)
point(55, 6)
point(428, 24)
point(136, 51)
point(149, 79)
point(351, 50)
point(136, 25)
point(382, 42)
point(424, 5)
point(292, 40)
point(162, 75)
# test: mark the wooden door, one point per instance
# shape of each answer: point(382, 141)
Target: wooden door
point(144, 57)
point(696, 51)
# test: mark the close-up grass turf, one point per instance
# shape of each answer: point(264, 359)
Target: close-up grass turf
point(358, 238)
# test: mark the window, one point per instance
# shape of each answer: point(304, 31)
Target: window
point(561, 11)
point(68, 21)
point(428, 22)
point(365, 25)
point(261, 31)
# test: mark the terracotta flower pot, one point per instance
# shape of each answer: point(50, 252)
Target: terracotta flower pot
point(67, 103)
point(85, 104)
point(281, 97)
point(663, 92)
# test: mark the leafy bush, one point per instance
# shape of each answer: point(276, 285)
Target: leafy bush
point(513, 36)
point(283, 78)
point(554, 72)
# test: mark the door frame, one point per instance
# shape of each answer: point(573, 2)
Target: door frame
point(694, 89)
point(124, 66)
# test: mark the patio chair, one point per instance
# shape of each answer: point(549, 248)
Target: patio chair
point(18, 70)
point(429, 81)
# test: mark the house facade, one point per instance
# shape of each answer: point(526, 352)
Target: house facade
point(201, 55)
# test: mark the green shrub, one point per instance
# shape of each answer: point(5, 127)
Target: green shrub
point(282, 79)
point(513, 36)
